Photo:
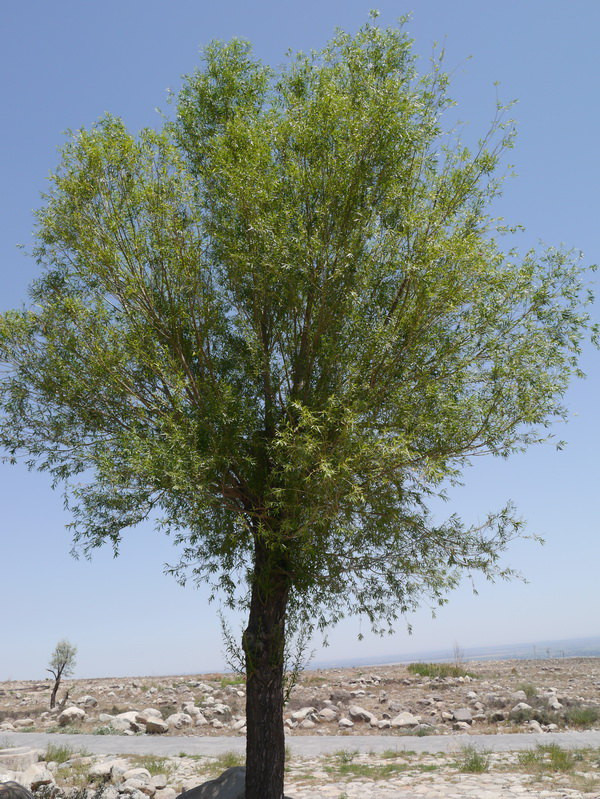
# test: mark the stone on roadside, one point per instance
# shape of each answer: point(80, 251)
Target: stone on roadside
point(178, 720)
point(358, 713)
point(345, 723)
point(463, 714)
point(156, 726)
point(328, 714)
point(71, 715)
point(404, 719)
point(88, 701)
point(300, 715)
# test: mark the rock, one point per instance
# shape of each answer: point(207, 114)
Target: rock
point(518, 696)
point(100, 771)
point(17, 723)
point(357, 713)
point(328, 714)
point(178, 720)
point(300, 715)
point(37, 775)
point(123, 725)
point(535, 726)
point(553, 703)
point(71, 715)
point(239, 724)
point(200, 720)
point(345, 723)
point(13, 788)
point(405, 719)
point(137, 774)
point(156, 726)
point(113, 769)
point(496, 715)
point(143, 716)
point(307, 724)
point(17, 758)
point(88, 701)
point(133, 786)
point(165, 793)
point(463, 714)
point(520, 707)
point(230, 785)
point(461, 725)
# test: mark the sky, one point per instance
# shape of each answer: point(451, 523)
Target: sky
point(62, 65)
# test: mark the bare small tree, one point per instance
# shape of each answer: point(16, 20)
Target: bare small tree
point(62, 664)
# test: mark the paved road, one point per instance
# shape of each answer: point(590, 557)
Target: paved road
point(303, 745)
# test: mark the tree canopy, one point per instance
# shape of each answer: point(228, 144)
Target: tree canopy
point(283, 323)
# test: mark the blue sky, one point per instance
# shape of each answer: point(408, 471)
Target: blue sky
point(65, 63)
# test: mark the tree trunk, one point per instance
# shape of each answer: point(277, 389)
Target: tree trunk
point(54, 692)
point(263, 643)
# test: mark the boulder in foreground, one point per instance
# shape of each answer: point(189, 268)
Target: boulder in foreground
point(230, 785)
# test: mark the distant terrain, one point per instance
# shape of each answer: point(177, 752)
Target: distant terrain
point(498, 696)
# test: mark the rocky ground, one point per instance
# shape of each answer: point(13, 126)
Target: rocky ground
point(491, 697)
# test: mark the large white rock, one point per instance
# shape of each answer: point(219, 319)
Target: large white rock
point(142, 716)
point(88, 701)
point(358, 713)
point(328, 714)
point(137, 774)
point(300, 715)
point(71, 715)
point(156, 726)
point(123, 725)
point(405, 719)
point(178, 720)
point(463, 714)
point(35, 776)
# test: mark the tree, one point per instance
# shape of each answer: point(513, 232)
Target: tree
point(284, 322)
point(62, 664)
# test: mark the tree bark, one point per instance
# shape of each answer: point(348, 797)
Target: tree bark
point(263, 643)
point(53, 694)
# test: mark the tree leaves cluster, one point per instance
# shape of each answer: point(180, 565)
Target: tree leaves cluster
point(287, 317)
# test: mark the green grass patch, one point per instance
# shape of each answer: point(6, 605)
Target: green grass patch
point(437, 670)
point(155, 765)
point(229, 759)
point(547, 758)
point(58, 753)
point(529, 690)
point(581, 716)
point(473, 760)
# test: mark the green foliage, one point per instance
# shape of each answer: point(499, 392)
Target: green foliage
point(529, 690)
point(549, 757)
point(282, 325)
point(62, 660)
point(58, 753)
point(155, 765)
point(581, 716)
point(474, 761)
point(437, 670)
point(230, 759)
